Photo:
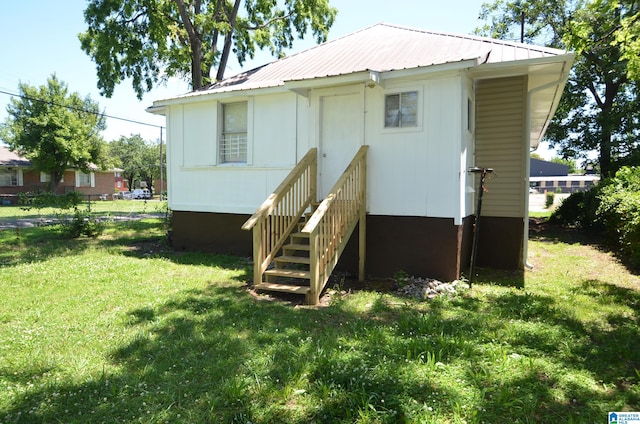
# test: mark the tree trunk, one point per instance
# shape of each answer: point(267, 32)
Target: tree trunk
point(194, 41)
point(227, 42)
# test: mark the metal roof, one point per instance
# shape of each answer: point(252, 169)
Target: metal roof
point(380, 48)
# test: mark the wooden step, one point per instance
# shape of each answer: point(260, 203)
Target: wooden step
point(296, 246)
point(284, 288)
point(288, 273)
point(300, 235)
point(293, 259)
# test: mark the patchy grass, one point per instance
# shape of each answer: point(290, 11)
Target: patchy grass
point(121, 329)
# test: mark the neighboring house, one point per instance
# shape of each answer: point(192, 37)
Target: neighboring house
point(428, 105)
point(554, 177)
point(18, 175)
point(120, 183)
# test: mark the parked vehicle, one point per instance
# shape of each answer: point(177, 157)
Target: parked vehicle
point(141, 193)
point(125, 195)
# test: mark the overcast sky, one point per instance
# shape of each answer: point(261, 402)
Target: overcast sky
point(40, 37)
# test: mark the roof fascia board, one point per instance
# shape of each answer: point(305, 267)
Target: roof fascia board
point(517, 67)
point(159, 106)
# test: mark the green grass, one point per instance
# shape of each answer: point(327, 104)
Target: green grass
point(98, 208)
point(121, 329)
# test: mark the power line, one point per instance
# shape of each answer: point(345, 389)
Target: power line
point(22, 96)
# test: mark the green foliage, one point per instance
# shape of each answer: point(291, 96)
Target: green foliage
point(69, 200)
point(549, 198)
point(83, 224)
point(157, 39)
point(612, 207)
point(619, 211)
point(56, 130)
point(599, 107)
point(139, 159)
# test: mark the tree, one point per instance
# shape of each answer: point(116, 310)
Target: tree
point(599, 108)
point(56, 130)
point(128, 154)
point(151, 40)
point(139, 159)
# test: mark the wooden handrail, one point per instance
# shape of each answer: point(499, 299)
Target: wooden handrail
point(281, 212)
point(267, 206)
point(334, 220)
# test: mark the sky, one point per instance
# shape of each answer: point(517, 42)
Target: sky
point(40, 38)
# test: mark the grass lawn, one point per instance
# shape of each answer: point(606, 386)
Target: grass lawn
point(120, 329)
point(98, 208)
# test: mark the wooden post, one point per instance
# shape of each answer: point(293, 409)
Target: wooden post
point(313, 298)
point(362, 233)
point(257, 252)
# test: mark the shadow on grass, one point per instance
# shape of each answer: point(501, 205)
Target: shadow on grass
point(37, 244)
point(219, 355)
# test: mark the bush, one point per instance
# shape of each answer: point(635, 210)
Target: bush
point(549, 199)
point(83, 224)
point(50, 200)
point(613, 207)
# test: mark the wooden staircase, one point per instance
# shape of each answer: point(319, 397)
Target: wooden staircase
point(290, 272)
point(296, 241)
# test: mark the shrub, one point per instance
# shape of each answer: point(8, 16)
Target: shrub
point(613, 207)
point(549, 199)
point(82, 224)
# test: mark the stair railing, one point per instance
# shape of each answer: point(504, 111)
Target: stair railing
point(334, 220)
point(276, 218)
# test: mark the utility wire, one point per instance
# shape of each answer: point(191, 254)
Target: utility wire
point(79, 109)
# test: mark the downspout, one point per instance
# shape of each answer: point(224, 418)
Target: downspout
point(530, 93)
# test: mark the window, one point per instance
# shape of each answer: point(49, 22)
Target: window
point(84, 180)
point(45, 177)
point(233, 143)
point(401, 110)
point(8, 177)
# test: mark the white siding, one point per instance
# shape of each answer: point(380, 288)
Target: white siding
point(198, 183)
point(415, 172)
point(199, 135)
point(500, 143)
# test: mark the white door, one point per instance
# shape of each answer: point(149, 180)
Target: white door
point(341, 124)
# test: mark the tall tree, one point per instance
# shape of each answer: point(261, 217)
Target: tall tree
point(56, 130)
point(151, 40)
point(129, 154)
point(599, 108)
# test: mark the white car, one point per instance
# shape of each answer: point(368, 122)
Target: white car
point(141, 193)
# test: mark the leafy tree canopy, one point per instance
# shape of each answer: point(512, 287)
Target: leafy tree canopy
point(56, 130)
point(151, 40)
point(599, 108)
point(139, 159)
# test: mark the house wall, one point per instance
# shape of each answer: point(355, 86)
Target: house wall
point(418, 189)
point(500, 144)
point(198, 183)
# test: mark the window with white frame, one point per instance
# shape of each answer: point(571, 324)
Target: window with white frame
point(233, 140)
point(8, 177)
point(84, 180)
point(401, 110)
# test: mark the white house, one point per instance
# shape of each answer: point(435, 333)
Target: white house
point(428, 105)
